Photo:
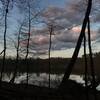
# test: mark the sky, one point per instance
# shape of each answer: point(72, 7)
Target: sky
point(66, 16)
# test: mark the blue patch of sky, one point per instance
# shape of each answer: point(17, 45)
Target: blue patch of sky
point(15, 16)
point(95, 26)
point(57, 3)
point(13, 21)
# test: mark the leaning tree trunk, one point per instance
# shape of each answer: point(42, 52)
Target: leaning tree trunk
point(79, 42)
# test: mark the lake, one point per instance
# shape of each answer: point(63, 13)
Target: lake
point(42, 79)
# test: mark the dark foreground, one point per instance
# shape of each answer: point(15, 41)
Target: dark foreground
point(70, 91)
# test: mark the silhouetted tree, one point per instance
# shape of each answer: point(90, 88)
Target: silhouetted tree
point(91, 61)
point(51, 30)
point(79, 42)
point(86, 68)
point(6, 6)
point(29, 8)
point(17, 55)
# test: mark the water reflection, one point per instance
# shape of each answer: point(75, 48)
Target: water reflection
point(42, 79)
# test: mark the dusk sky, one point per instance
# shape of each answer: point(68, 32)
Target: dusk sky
point(67, 17)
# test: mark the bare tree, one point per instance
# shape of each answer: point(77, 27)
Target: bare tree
point(51, 31)
point(30, 14)
point(91, 61)
point(86, 68)
point(29, 31)
point(17, 55)
point(5, 31)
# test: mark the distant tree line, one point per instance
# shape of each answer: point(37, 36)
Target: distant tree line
point(58, 65)
point(35, 65)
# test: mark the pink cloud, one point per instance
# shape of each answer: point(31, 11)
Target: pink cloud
point(25, 42)
point(40, 39)
point(73, 34)
point(77, 30)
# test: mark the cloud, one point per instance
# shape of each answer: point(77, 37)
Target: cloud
point(67, 26)
point(59, 53)
point(53, 12)
point(73, 34)
point(62, 39)
point(77, 9)
point(97, 18)
point(57, 16)
point(40, 39)
point(59, 45)
point(72, 13)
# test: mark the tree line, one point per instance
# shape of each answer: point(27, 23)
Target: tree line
point(58, 65)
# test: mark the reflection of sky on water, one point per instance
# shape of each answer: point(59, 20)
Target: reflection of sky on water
point(43, 78)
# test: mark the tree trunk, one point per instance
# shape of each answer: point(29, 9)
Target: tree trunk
point(5, 32)
point(79, 42)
